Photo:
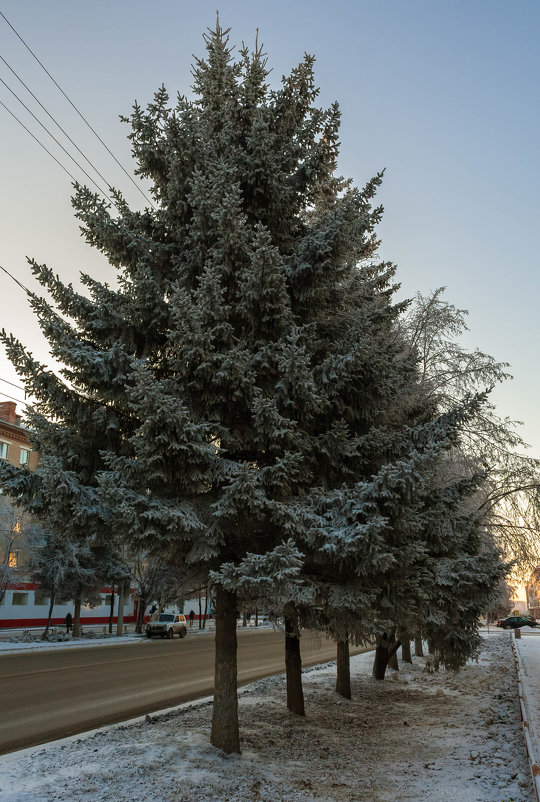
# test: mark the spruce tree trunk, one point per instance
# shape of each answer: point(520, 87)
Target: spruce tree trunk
point(200, 610)
point(140, 615)
point(77, 618)
point(381, 661)
point(343, 666)
point(293, 662)
point(418, 647)
point(393, 646)
point(47, 627)
point(406, 649)
point(256, 616)
point(225, 733)
point(121, 602)
point(385, 650)
point(111, 610)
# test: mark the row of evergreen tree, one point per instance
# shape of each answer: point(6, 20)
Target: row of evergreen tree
point(74, 571)
point(244, 396)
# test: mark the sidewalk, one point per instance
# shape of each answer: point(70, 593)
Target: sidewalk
point(527, 650)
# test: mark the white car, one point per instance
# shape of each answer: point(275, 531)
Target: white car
point(167, 625)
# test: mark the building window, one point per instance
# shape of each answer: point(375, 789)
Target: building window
point(20, 598)
point(25, 455)
point(13, 559)
point(40, 598)
point(3, 450)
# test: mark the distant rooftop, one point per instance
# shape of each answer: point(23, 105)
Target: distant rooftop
point(8, 414)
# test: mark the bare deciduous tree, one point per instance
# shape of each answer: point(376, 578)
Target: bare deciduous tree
point(511, 498)
point(16, 533)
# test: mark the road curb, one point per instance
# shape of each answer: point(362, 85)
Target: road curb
point(530, 740)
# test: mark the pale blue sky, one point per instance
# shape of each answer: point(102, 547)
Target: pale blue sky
point(444, 95)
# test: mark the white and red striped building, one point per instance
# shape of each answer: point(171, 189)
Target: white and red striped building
point(24, 606)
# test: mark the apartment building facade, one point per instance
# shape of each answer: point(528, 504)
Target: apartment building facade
point(15, 446)
point(22, 604)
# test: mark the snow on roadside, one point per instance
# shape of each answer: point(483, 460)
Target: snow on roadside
point(15, 646)
point(416, 737)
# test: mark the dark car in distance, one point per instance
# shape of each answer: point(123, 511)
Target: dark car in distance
point(516, 621)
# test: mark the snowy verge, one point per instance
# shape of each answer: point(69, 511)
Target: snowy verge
point(14, 647)
point(415, 737)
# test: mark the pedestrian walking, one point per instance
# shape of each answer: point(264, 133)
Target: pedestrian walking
point(68, 622)
point(191, 617)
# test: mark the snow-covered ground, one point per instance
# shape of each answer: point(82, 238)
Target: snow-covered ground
point(34, 643)
point(15, 645)
point(417, 736)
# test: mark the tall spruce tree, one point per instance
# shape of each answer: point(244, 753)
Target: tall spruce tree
point(373, 553)
point(464, 567)
point(247, 359)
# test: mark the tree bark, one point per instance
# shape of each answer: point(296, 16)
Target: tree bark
point(200, 610)
point(47, 627)
point(121, 602)
point(225, 732)
point(380, 662)
point(256, 616)
point(111, 610)
point(418, 647)
point(205, 609)
point(140, 615)
point(386, 648)
point(77, 618)
point(406, 649)
point(393, 661)
point(343, 669)
point(293, 662)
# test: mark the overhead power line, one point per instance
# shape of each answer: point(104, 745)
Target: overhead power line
point(27, 291)
point(17, 386)
point(23, 104)
point(44, 148)
point(55, 121)
point(12, 398)
point(81, 115)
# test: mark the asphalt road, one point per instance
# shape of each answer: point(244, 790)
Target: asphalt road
point(49, 695)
